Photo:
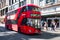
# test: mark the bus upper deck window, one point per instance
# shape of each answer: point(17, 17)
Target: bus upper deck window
point(23, 9)
point(29, 8)
point(35, 9)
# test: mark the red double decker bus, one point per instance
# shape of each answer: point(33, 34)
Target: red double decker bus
point(25, 19)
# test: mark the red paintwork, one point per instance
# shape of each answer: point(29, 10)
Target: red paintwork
point(29, 30)
point(23, 28)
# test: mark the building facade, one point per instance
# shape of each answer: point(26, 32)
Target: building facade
point(51, 11)
point(3, 9)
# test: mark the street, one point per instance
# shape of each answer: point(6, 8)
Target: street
point(11, 35)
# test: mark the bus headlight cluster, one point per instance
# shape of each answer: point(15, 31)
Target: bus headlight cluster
point(36, 31)
point(30, 31)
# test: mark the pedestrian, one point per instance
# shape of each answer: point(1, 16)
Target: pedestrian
point(45, 25)
point(53, 25)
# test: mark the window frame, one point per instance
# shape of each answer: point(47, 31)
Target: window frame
point(49, 1)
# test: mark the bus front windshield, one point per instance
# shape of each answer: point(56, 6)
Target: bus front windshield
point(33, 8)
point(34, 23)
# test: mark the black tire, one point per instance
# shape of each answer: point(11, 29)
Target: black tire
point(19, 30)
point(6, 27)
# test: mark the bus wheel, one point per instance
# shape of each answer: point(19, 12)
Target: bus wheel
point(6, 27)
point(19, 30)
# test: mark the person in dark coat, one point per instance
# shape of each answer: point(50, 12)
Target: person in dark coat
point(53, 25)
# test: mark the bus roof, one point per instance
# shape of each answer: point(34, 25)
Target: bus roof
point(28, 5)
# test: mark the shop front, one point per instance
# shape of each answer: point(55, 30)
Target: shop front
point(56, 19)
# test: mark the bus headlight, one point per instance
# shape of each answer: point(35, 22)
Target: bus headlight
point(30, 31)
point(36, 31)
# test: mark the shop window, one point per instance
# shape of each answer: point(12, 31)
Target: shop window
point(32, 1)
point(50, 1)
point(40, 0)
point(16, 0)
point(2, 13)
point(10, 2)
point(0, 1)
point(12, 12)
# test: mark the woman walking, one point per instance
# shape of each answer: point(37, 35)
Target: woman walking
point(53, 25)
point(45, 26)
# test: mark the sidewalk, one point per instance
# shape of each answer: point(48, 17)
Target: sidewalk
point(57, 31)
